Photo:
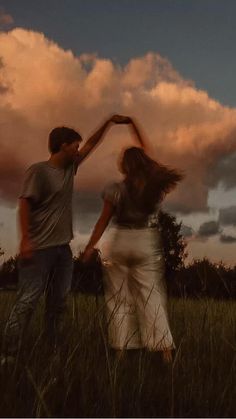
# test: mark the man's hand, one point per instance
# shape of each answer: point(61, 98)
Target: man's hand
point(120, 119)
point(26, 249)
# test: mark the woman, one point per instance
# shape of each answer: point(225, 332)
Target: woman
point(134, 279)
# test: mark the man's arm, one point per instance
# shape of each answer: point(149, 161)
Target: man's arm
point(94, 140)
point(26, 246)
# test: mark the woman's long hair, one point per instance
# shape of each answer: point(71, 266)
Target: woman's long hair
point(146, 180)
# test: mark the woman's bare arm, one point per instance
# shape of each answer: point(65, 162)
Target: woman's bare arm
point(100, 227)
point(97, 137)
point(136, 131)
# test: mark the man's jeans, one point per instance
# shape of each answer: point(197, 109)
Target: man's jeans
point(49, 270)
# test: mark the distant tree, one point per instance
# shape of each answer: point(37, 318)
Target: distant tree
point(174, 245)
point(203, 278)
point(8, 273)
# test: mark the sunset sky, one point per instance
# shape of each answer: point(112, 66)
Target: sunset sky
point(169, 64)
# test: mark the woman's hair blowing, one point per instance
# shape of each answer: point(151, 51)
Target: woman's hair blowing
point(147, 180)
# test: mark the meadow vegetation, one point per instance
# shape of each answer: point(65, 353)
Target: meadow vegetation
point(86, 379)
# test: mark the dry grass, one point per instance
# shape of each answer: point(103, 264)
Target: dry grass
point(86, 380)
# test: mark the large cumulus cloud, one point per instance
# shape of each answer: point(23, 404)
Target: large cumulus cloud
point(42, 86)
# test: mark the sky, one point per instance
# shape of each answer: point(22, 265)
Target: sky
point(169, 64)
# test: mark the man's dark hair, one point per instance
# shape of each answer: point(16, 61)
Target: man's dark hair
point(61, 135)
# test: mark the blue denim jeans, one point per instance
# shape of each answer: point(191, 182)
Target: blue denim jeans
point(50, 272)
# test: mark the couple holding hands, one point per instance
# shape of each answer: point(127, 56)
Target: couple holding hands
point(134, 283)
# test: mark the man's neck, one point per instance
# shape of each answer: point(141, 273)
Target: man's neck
point(58, 161)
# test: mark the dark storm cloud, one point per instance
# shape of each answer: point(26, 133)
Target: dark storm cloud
point(208, 229)
point(186, 231)
point(224, 171)
point(87, 206)
point(224, 238)
point(87, 201)
point(227, 216)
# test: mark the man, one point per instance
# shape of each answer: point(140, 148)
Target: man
point(45, 216)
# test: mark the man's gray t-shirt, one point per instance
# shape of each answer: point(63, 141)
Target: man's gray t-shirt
point(49, 190)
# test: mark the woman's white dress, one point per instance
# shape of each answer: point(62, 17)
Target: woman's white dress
point(134, 280)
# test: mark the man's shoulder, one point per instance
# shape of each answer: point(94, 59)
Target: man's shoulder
point(39, 166)
point(43, 168)
point(35, 168)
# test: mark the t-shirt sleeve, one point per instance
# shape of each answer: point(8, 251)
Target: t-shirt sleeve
point(31, 187)
point(111, 193)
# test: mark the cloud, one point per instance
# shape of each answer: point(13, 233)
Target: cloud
point(227, 239)
point(5, 18)
point(227, 216)
point(3, 86)
point(224, 170)
point(208, 229)
point(87, 206)
point(186, 231)
point(43, 86)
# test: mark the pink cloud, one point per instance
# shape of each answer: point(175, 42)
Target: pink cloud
point(44, 86)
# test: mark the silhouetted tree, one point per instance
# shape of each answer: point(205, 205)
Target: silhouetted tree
point(203, 278)
point(173, 242)
point(8, 273)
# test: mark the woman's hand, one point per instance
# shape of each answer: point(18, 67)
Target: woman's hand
point(87, 254)
point(98, 230)
point(26, 248)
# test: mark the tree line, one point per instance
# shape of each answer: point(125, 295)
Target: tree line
point(198, 279)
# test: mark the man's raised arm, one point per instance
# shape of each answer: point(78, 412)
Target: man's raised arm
point(94, 140)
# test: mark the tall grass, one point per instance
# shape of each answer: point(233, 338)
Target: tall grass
point(87, 380)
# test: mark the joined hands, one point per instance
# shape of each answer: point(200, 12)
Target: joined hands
point(121, 119)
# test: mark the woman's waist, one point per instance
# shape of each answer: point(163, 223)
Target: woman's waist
point(136, 243)
point(133, 226)
point(133, 235)
point(135, 220)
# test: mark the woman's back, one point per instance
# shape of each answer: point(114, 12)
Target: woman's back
point(127, 210)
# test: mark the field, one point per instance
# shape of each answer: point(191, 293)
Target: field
point(87, 380)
